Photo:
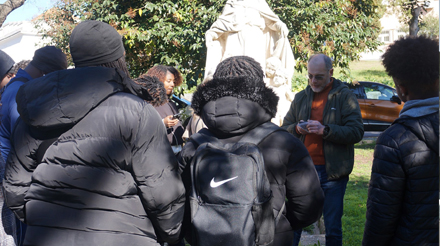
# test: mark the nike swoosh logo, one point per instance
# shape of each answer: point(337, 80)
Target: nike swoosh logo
point(214, 184)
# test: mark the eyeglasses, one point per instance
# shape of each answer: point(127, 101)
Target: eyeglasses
point(317, 77)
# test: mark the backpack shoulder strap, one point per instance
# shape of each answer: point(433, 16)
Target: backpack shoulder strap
point(205, 136)
point(260, 132)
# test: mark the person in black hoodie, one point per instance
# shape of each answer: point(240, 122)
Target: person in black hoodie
point(402, 206)
point(236, 101)
point(110, 176)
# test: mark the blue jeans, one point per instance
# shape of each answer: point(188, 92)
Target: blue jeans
point(334, 192)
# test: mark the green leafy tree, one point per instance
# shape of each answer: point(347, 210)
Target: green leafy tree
point(409, 13)
point(430, 26)
point(173, 32)
point(342, 29)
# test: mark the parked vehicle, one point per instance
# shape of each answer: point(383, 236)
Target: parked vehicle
point(379, 104)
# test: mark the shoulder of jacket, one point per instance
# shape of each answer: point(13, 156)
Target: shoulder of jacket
point(392, 135)
point(301, 94)
point(284, 137)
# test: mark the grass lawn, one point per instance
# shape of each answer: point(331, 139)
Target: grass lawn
point(355, 200)
point(368, 71)
point(355, 208)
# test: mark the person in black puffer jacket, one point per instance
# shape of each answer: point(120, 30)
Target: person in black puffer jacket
point(236, 101)
point(110, 176)
point(402, 205)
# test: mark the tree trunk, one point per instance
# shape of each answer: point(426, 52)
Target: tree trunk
point(414, 22)
point(7, 7)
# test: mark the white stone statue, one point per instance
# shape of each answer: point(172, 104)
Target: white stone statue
point(251, 28)
point(277, 79)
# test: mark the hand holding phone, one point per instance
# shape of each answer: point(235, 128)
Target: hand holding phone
point(176, 116)
point(302, 127)
point(171, 120)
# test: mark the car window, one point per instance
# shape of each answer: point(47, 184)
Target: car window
point(378, 92)
point(357, 90)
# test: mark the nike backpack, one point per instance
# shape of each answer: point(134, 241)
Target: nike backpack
point(230, 197)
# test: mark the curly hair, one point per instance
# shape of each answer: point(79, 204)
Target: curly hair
point(160, 71)
point(155, 88)
point(239, 66)
point(21, 64)
point(413, 61)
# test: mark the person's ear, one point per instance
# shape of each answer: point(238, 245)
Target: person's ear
point(403, 90)
point(331, 72)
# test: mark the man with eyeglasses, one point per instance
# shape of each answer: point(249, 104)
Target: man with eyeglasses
point(327, 118)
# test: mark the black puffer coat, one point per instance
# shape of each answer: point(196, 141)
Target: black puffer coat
point(230, 108)
point(110, 179)
point(402, 206)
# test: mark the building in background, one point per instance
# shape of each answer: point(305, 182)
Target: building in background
point(20, 40)
point(392, 31)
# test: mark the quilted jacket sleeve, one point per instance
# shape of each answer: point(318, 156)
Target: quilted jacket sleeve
point(155, 170)
point(19, 168)
point(303, 190)
point(385, 193)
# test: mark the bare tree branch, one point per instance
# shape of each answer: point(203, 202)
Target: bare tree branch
point(7, 7)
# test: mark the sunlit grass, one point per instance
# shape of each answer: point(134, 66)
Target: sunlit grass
point(355, 200)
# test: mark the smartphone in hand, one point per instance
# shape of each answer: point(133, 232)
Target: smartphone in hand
point(176, 116)
point(303, 125)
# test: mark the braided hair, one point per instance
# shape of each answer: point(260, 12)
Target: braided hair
point(155, 88)
point(239, 66)
point(119, 63)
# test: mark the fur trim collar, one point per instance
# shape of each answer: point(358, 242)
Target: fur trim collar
point(240, 87)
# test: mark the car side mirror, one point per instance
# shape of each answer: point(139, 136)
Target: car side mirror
point(396, 99)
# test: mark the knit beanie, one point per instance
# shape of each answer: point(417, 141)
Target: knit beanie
point(94, 43)
point(6, 63)
point(49, 59)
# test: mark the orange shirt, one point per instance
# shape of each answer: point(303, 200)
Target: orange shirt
point(313, 142)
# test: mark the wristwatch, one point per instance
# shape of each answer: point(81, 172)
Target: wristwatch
point(326, 130)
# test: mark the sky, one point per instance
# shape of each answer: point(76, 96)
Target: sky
point(29, 10)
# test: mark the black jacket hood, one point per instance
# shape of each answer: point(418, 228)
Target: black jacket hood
point(233, 106)
point(62, 98)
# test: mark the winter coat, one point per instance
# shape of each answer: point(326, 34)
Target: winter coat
point(402, 205)
point(288, 165)
point(343, 115)
point(8, 111)
point(111, 178)
point(8, 230)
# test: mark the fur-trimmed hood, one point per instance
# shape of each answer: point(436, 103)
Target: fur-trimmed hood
point(234, 105)
point(239, 87)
